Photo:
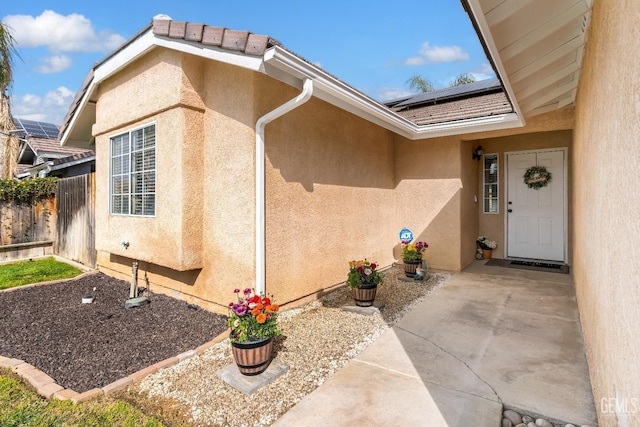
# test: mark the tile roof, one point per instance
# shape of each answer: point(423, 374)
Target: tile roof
point(466, 108)
point(43, 146)
point(479, 99)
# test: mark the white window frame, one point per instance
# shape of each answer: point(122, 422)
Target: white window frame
point(487, 185)
point(130, 195)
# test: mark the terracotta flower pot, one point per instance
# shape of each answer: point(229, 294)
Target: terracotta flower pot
point(253, 357)
point(486, 253)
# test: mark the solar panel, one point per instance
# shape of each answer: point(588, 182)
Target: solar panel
point(451, 92)
point(35, 128)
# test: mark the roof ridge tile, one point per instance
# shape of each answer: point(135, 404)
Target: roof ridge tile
point(236, 40)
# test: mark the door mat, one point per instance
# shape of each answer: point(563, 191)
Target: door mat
point(529, 265)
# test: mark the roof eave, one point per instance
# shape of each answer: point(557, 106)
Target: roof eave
point(289, 68)
point(284, 66)
point(486, 39)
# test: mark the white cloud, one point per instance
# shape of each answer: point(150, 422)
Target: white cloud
point(51, 108)
point(437, 54)
point(384, 94)
point(483, 72)
point(59, 33)
point(54, 64)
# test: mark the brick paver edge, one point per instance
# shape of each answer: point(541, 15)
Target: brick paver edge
point(50, 389)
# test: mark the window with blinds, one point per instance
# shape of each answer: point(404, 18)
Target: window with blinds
point(133, 172)
point(490, 184)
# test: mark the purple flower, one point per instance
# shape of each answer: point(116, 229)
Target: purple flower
point(240, 310)
point(247, 291)
point(231, 304)
point(236, 291)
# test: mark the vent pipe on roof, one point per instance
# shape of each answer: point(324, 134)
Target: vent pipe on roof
point(305, 95)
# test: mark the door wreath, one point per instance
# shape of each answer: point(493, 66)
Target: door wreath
point(537, 177)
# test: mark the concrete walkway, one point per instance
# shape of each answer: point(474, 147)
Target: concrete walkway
point(488, 337)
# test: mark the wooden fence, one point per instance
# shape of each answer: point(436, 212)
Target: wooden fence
point(75, 222)
point(25, 223)
point(63, 225)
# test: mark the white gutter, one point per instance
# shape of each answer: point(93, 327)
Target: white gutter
point(305, 95)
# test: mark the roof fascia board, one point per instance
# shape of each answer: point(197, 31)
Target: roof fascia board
point(460, 127)
point(82, 105)
point(239, 59)
point(148, 41)
point(73, 163)
point(128, 54)
point(485, 33)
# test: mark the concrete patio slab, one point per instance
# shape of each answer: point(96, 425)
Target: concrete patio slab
point(367, 395)
point(249, 384)
point(508, 337)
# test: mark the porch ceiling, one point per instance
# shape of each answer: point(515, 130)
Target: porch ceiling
point(536, 46)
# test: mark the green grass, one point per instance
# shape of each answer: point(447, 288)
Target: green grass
point(40, 270)
point(21, 406)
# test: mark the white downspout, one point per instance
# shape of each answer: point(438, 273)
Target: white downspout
point(305, 95)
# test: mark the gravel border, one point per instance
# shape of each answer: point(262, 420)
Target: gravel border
point(318, 339)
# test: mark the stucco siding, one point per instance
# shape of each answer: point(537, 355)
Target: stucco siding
point(606, 261)
point(428, 197)
point(173, 236)
point(330, 196)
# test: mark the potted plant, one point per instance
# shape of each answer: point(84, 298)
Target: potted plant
point(253, 320)
point(412, 256)
point(363, 278)
point(486, 246)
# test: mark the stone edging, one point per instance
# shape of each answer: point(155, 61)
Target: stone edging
point(47, 387)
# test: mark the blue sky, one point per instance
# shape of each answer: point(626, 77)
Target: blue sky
point(375, 46)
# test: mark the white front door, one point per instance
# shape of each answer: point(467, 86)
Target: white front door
point(536, 219)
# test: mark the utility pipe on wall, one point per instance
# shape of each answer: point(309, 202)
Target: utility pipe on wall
point(305, 95)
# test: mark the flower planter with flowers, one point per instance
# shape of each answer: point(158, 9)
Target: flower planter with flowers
point(412, 256)
point(363, 278)
point(486, 246)
point(253, 322)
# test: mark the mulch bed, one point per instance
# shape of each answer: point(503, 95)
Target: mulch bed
point(82, 346)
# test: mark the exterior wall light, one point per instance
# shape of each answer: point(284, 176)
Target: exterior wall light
point(477, 152)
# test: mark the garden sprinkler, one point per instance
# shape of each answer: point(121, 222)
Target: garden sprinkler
point(134, 300)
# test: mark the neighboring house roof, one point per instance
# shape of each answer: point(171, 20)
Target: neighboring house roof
point(41, 152)
point(472, 100)
point(261, 54)
point(46, 168)
point(38, 150)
